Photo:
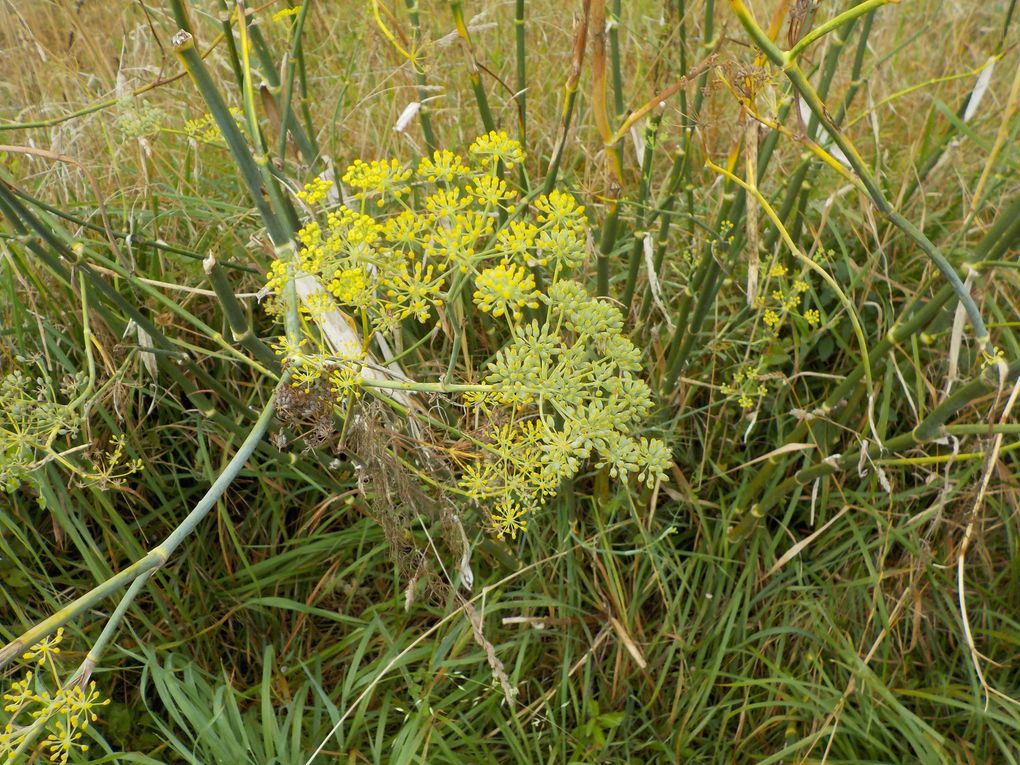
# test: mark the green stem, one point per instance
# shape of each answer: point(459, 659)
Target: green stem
point(226, 17)
point(798, 189)
point(982, 429)
point(522, 70)
point(272, 79)
point(84, 671)
point(182, 17)
point(279, 216)
point(569, 96)
point(422, 387)
point(184, 47)
point(614, 59)
point(295, 69)
point(240, 322)
point(834, 23)
point(607, 242)
point(424, 116)
point(474, 72)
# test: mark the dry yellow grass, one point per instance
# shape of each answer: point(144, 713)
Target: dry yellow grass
point(62, 56)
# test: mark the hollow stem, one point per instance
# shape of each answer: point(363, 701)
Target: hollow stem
point(474, 72)
point(424, 113)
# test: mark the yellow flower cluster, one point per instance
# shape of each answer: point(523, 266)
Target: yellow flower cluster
point(517, 239)
point(496, 148)
point(505, 289)
point(46, 649)
point(399, 264)
point(442, 167)
point(205, 130)
point(992, 358)
point(491, 192)
point(747, 386)
point(508, 518)
point(284, 13)
point(560, 210)
point(785, 300)
point(447, 204)
point(383, 178)
point(315, 191)
point(514, 478)
point(337, 371)
point(32, 709)
point(348, 285)
point(561, 392)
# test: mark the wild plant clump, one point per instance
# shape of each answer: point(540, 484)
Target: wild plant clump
point(40, 419)
point(33, 418)
point(418, 525)
point(548, 381)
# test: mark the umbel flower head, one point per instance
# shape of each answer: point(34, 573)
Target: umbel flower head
point(496, 148)
point(39, 704)
point(506, 289)
point(444, 260)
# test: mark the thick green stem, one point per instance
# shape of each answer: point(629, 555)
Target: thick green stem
point(226, 16)
point(835, 23)
point(421, 387)
point(268, 66)
point(279, 216)
point(798, 188)
point(182, 17)
point(615, 63)
point(184, 46)
point(522, 71)
point(474, 71)
point(238, 319)
point(607, 241)
point(84, 671)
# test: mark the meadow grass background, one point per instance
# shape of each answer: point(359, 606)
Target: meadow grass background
point(633, 626)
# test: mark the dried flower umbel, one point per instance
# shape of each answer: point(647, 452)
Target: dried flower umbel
point(451, 245)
